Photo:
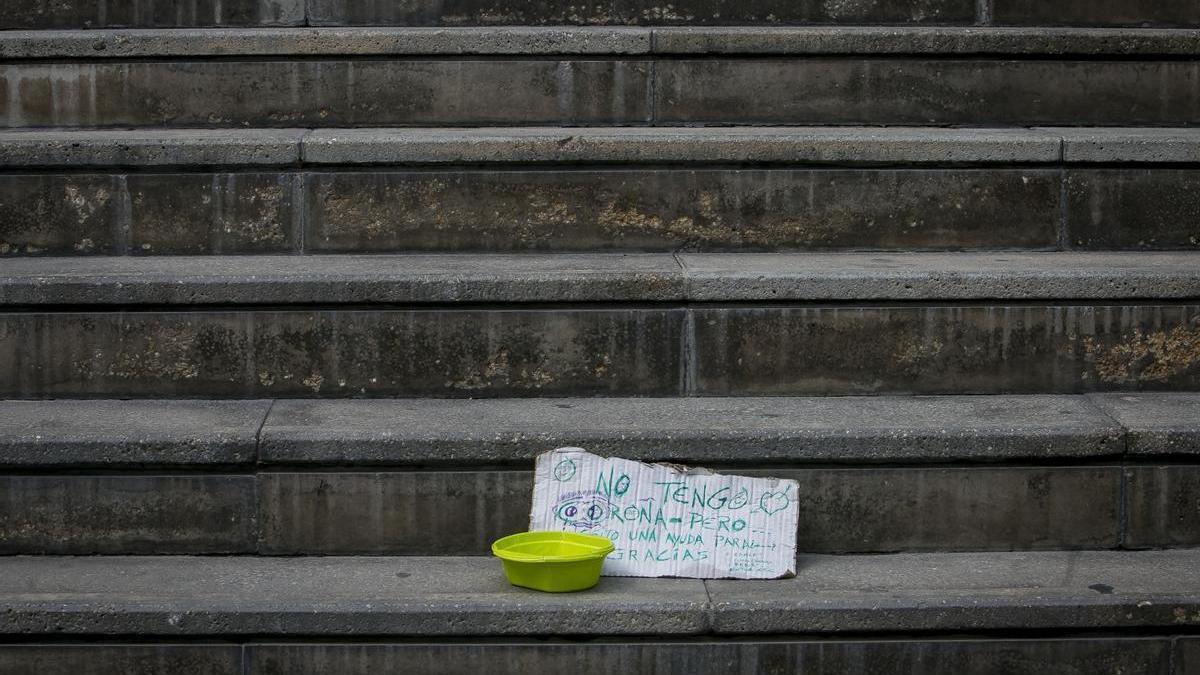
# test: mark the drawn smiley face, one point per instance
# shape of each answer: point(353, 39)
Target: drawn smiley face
point(564, 471)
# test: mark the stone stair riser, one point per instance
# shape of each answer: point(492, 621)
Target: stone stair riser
point(150, 214)
point(1129, 656)
point(1097, 12)
point(1162, 506)
point(338, 353)
point(183, 514)
point(792, 350)
point(605, 209)
point(157, 214)
point(37, 14)
point(842, 510)
point(573, 91)
point(118, 659)
point(327, 93)
point(925, 91)
point(916, 657)
point(638, 12)
point(977, 349)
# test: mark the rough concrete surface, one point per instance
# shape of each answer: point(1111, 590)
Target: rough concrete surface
point(121, 659)
point(306, 42)
point(859, 510)
point(868, 510)
point(1129, 145)
point(723, 430)
point(1187, 658)
point(1164, 506)
point(1140, 208)
point(40, 14)
point(357, 597)
point(923, 40)
point(927, 276)
point(1181, 13)
point(149, 147)
point(130, 514)
point(968, 591)
point(930, 91)
point(980, 349)
point(449, 278)
point(72, 214)
point(341, 279)
point(469, 596)
point(796, 40)
point(322, 353)
point(323, 92)
point(692, 209)
point(647, 12)
point(1139, 656)
point(1156, 424)
point(392, 512)
point(681, 144)
point(129, 433)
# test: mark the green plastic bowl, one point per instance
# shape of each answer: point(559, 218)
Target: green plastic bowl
point(556, 562)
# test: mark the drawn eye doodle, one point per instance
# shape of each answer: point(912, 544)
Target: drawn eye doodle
point(583, 513)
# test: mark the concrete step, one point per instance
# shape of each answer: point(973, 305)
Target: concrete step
point(160, 13)
point(598, 277)
point(729, 431)
point(449, 477)
point(600, 324)
point(742, 188)
point(318, 599)
point(601, 76)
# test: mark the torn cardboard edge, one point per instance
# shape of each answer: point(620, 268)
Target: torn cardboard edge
point(669, 520)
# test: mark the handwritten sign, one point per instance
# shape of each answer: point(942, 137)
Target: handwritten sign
point(669, 521)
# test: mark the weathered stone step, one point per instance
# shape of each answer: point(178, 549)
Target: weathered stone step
point(585, 325)
point(109, 434)
point(389, 190)
point(601, 77)
point(598, 278)
point(1154, 591)
point(37, 14)
point(438, 477)
point(151, 148)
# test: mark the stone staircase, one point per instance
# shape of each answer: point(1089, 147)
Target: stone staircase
point(292, 293)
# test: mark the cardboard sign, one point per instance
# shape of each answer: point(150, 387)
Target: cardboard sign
point(669, 521)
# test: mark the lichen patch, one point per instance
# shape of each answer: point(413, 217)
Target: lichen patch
point(1146, 356)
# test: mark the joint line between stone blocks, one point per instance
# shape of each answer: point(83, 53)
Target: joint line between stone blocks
point(1064, 213)
point(1123, 506)
point(258, 433)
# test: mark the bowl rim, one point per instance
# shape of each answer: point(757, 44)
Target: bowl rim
point(602, 545)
